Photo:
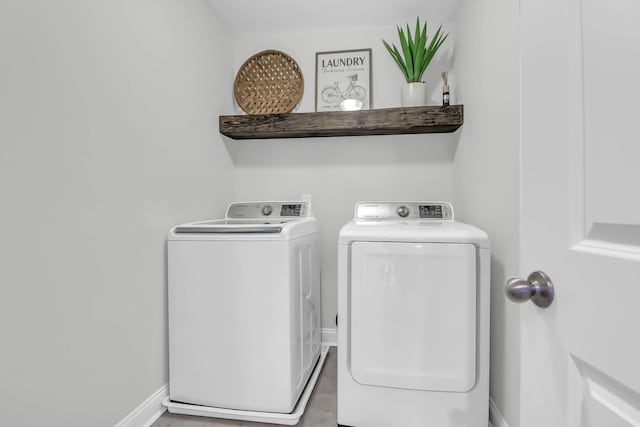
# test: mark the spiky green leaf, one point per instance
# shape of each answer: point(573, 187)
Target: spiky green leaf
point(420, 55)
point(397, 58)
point(407, 53)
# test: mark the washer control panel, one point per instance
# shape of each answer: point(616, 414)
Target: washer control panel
point(438, 211)
point(260, 210)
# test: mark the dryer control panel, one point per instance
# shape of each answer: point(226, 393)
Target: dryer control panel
point(263, 210)
point(404, 210)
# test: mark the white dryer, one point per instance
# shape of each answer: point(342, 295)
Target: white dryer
point(413, 318)
point(244, 310)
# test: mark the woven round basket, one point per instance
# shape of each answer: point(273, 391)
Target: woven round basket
point(269, 82)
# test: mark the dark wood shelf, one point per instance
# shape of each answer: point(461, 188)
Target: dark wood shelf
point(387, 121)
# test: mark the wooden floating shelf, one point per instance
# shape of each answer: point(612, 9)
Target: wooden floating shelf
point(387, 121)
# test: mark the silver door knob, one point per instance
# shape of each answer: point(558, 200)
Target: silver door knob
point(537, 287)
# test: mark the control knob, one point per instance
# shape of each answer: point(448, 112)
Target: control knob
point(403, 211)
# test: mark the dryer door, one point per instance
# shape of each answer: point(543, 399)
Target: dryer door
point(412, 320)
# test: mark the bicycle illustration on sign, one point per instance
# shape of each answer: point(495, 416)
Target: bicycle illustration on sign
point(333, 94)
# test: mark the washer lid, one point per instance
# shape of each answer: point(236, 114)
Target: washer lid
point(248, 229)
point(253, 221)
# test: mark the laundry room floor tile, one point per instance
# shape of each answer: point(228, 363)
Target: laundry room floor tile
point(321, 410)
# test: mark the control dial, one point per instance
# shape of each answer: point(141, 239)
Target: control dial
point(403, 211)
point(266, 210)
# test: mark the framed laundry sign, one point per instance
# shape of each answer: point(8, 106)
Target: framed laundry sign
point(343, 80)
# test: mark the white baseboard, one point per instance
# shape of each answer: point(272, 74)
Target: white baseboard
point(148, 411)
point(495, 416)
point(329, 336)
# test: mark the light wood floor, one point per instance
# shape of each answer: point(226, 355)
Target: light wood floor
point(320, 412)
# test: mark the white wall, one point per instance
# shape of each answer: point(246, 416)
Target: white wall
point(338, 172)
point(108, 137)
point(487, 168)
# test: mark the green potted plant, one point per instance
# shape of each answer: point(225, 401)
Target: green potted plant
point(414, 58)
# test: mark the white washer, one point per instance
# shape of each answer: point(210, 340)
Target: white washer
point(413, 318)
point(244, 309)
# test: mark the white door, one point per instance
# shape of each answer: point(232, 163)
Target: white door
point(580, 211)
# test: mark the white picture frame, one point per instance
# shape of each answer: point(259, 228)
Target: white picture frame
point(340, 75)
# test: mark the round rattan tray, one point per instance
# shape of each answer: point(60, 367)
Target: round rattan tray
point(269, 82)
